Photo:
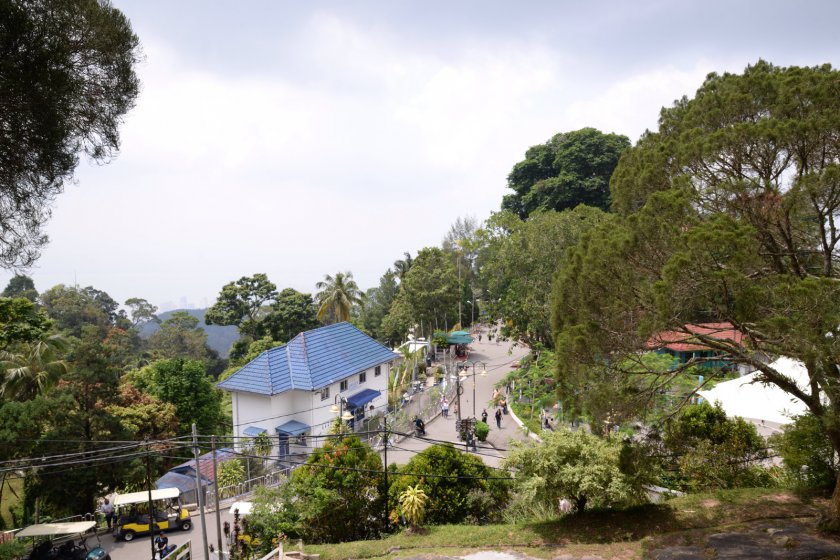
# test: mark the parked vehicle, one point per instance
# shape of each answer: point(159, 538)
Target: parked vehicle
point(60, 544)
point(133, 517)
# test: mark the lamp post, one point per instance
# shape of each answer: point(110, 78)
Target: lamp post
point(483, 374)
point(338, 408)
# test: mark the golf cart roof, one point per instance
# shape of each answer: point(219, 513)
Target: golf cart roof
point(51, 529)
point(244, 508)
point(142, 497)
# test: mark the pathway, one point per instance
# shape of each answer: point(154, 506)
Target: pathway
point(498, 357)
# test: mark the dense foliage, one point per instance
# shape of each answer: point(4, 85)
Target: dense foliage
point(572, 168)
point(67, 77)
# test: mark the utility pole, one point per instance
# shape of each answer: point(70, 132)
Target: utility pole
point(385, 441)
point(151, 505)
point(200, 494)
point(216, 492)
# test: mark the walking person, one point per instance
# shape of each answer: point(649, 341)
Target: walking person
point(444, 408)
point(484, 415)
point(499, 418)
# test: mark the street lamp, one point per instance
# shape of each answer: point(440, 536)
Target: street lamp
point(338, 408)
point(465, 374)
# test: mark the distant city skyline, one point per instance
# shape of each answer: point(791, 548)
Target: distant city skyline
point(302, 139)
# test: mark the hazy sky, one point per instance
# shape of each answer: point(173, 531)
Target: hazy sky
point(304, 138)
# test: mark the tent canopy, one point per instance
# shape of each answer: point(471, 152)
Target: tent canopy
point(52, 529)
point(749, 399)
point(243, 507)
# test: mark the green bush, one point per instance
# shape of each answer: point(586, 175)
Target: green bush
point(804, 443)
point(470, 498)
point(481, 430)
point(713, 451)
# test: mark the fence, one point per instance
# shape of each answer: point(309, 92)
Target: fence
point(236, 490)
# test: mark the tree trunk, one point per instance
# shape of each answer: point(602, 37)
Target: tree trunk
point(834, 513)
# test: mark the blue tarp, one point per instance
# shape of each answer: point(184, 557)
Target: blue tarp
point(361, 398)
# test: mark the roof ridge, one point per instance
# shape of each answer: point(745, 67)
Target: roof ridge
point(291, 373)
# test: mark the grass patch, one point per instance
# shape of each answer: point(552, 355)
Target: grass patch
point(621, 534)
point(12, 486)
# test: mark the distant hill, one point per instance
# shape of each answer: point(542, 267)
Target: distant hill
point(219, 338)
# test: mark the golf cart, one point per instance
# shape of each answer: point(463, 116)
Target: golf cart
point(59, 543)
point(134, 518)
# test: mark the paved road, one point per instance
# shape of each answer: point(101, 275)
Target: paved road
point(498, 357)
point(139, 548)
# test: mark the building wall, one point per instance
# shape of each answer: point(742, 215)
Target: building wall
point(322, 415)
point(266, 412)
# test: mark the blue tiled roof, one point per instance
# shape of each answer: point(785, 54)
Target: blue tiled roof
point(312, 360)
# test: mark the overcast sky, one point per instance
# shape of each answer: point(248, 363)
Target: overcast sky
point(305, 138)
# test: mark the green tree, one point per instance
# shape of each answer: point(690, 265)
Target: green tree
point(32, 368)
point(20, 286)
point(141, 311)
point(804, 443)
point(73, 308)
point(460, 486)
point(519, 261)
point(583, 468)
point(185, 384)
point(337, 297)
point(413, 504)
point(713, 451)
point(572, 168)
point(144, 416)
point(334, 497)
point(292, 313)
point(402, 266)
point(730, 214)
point(67, 77)
point(76, 420)
point(21, 321)
point(230, 473)
point(377, 304)
point(430, 289)
point(180, 337)
point(243, 303)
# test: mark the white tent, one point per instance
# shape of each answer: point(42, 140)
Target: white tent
point(751, 400)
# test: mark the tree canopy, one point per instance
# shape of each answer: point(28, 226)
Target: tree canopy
point(337, 296)
point(570, 169)
point(67, 77)
point(729, 215)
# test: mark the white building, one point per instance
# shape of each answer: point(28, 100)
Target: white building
point(289, 392)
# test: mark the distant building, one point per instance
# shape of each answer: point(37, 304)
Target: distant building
point(289, 392)
point(685, 346)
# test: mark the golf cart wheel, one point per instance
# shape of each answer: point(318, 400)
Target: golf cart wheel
point(128, 536)
point(186, 525)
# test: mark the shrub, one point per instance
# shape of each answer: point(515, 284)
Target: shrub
point(482, 430)
point(804, 443)
point(460, 474)
point(713, 451)
point(586, 469)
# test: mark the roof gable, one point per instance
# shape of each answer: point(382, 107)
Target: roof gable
point(310, 361)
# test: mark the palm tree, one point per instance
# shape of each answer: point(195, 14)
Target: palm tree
point(33, 369)
point(402, 266)
point(337, 297)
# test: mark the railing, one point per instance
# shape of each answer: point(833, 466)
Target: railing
point(183, 552)
point(236, 490)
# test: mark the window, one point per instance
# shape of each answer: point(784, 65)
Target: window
point(377, 371)
point(362, 377)
point(343, 386)
point(325, 393)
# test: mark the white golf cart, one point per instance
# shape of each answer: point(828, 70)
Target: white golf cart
point(57, 541)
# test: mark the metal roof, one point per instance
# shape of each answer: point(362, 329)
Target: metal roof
point(292, 428)
point(310, 361)
point(253, 431)
point(362, 398)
